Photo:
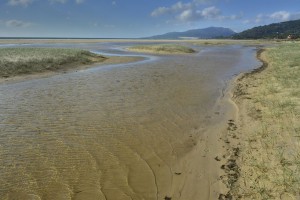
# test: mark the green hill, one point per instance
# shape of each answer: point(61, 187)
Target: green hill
point(277, 30)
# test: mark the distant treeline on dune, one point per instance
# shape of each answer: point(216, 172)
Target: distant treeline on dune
point(283, 30)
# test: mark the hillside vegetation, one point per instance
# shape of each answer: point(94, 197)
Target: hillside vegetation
point(17, 61)
point(277, 30)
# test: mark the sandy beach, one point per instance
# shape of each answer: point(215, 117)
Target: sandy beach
point(146, 130)
point(237, 129)
point(262, 138)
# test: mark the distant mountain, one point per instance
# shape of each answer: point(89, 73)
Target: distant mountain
point(205, 33)
point(277, 30)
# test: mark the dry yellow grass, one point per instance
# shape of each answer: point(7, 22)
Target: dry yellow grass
point(163, 49)
point(269, 127)
point(18, 61)
point(218, 42)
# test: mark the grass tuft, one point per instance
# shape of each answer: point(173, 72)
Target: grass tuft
point(18, 61)
point(163, 49)
point(274, 162)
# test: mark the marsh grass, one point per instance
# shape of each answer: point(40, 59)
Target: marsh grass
point(163, 49)
point(272, 148)
point(218, 42)
point(18, 61)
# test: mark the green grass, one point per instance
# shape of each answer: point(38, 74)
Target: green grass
point(163, 49)
point(18, 61)
point(273, 159)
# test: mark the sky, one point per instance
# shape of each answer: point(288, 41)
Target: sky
point(136, 18)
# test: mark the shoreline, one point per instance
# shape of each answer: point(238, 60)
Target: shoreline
point(264, 138)
point(232, 137)
point(217, 151)
point(268, 127)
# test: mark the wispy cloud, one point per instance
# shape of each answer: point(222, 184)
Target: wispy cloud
point(65, 1)
point(193, 15)
point(179, 7)
point(19, 2)
point(79, 1)
point(25, 3)
point(278, 16)
point(191, 11)
point(175, 8)
point(58, 1)
point(284, 16)
point(17, 23)
point(211, 13)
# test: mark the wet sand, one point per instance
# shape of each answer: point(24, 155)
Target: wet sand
point(146, 130)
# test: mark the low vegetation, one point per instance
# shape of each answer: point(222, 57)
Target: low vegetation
point(219, 42)
point(163, 49)
point(270, 145)
point(18, 61)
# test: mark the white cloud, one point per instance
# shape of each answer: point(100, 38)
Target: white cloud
point(58, 1)
point(191, 11)
point(206, 13)
point(177, 7)
point(65, 1)
point(181, 6)
point(17, 23)
point(19, 2)
point(160, 11)
point(202, 1)
point(187, 15)
point(284, 16)
point(211, 12)
point(79, 1)
point(113, 3)
point(281, 16)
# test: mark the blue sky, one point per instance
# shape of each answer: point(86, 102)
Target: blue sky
point(136, 18)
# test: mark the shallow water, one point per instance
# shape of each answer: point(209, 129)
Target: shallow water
point(110, 132)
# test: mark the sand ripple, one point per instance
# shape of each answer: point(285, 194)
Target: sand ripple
point(107, 134)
